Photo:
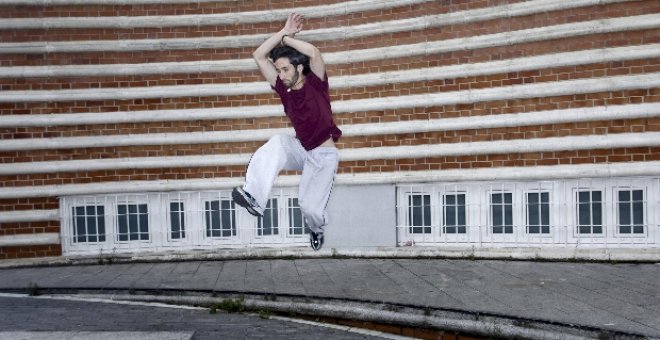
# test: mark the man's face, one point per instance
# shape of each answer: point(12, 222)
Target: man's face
point(287, 72)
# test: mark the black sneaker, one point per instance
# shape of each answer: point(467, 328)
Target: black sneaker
point(243, 198)
point(316, 240)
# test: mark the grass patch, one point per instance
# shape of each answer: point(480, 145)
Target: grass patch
point(229, 306)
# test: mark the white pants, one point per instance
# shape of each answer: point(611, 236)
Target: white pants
point(283, 152)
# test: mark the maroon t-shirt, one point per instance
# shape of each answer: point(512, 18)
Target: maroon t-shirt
point(309, 110)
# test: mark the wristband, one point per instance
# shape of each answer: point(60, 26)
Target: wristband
point(282, 40)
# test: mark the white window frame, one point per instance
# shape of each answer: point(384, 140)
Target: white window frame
point(238, 223)
point(517, 216)
point(134, 199)
point(605, 218)
point(185, 220)
point(617, 212)
point(288, 210)
point(528, 224)
point(472, 231)
point(67, 224)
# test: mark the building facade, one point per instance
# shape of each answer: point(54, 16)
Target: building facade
point(488, 127)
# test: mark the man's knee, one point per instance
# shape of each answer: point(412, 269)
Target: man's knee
point(277, 140)
point(274, 144)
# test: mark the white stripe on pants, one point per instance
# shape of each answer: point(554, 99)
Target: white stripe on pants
point(284, 152)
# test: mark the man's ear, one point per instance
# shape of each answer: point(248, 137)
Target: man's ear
point(300, 68)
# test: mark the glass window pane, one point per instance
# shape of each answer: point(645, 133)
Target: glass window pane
point(88, 223)
point(497, 215)
point(533, 198)
point(454, 213)
point(100, 222)
point(638, 212)
point(597, 213)
point(144, 222)
point(533, 216)
point(590, 212)
point(545, 215)
point(122, 222)
point(297, 224)
point(419, 213)
point(133, 223)
point(177, 220)
point(624, 213)
point(538, 212)
point(268, 224)
point(461, 213)
point(508, 214)
point(450, 215)
point(584, 214)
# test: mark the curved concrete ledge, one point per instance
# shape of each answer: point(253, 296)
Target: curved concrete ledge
point(584, 253)
point(467, 322)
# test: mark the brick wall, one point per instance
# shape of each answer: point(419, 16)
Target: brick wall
point(337, 44)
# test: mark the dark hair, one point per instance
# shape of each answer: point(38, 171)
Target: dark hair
point(295, 58)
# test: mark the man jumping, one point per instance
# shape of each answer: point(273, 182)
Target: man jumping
point(295, 71)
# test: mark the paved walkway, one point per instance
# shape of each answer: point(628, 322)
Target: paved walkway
point(592, 296)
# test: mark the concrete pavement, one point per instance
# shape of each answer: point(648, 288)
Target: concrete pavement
point(505, 298)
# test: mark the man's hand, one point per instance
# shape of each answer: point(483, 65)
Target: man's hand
point(293, 24)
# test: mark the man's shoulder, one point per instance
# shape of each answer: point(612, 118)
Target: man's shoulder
point(317, 82)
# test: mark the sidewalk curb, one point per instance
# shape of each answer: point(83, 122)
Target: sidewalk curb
point(490, 325)
point(566, 254)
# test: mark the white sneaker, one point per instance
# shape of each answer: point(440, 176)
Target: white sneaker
point(243, 198)
point(316, 240)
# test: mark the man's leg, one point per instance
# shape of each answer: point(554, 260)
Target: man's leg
point(315, 187)
point(281, 152)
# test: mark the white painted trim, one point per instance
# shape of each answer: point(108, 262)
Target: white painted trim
point(628, 169)
point(29, 216)
point(531, 173)
point(231, 18)
point(624, 24)
point(608, 141)
point(546, 89)
point(433, 73)
point(445, 72)
point(631, 111)
point(461, 70)
point(569, 87)
point(29, 239)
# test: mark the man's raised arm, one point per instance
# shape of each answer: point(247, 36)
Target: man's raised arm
point(292, 26)
point(316, 62)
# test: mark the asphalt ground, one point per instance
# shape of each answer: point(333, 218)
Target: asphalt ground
point(25, 317)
